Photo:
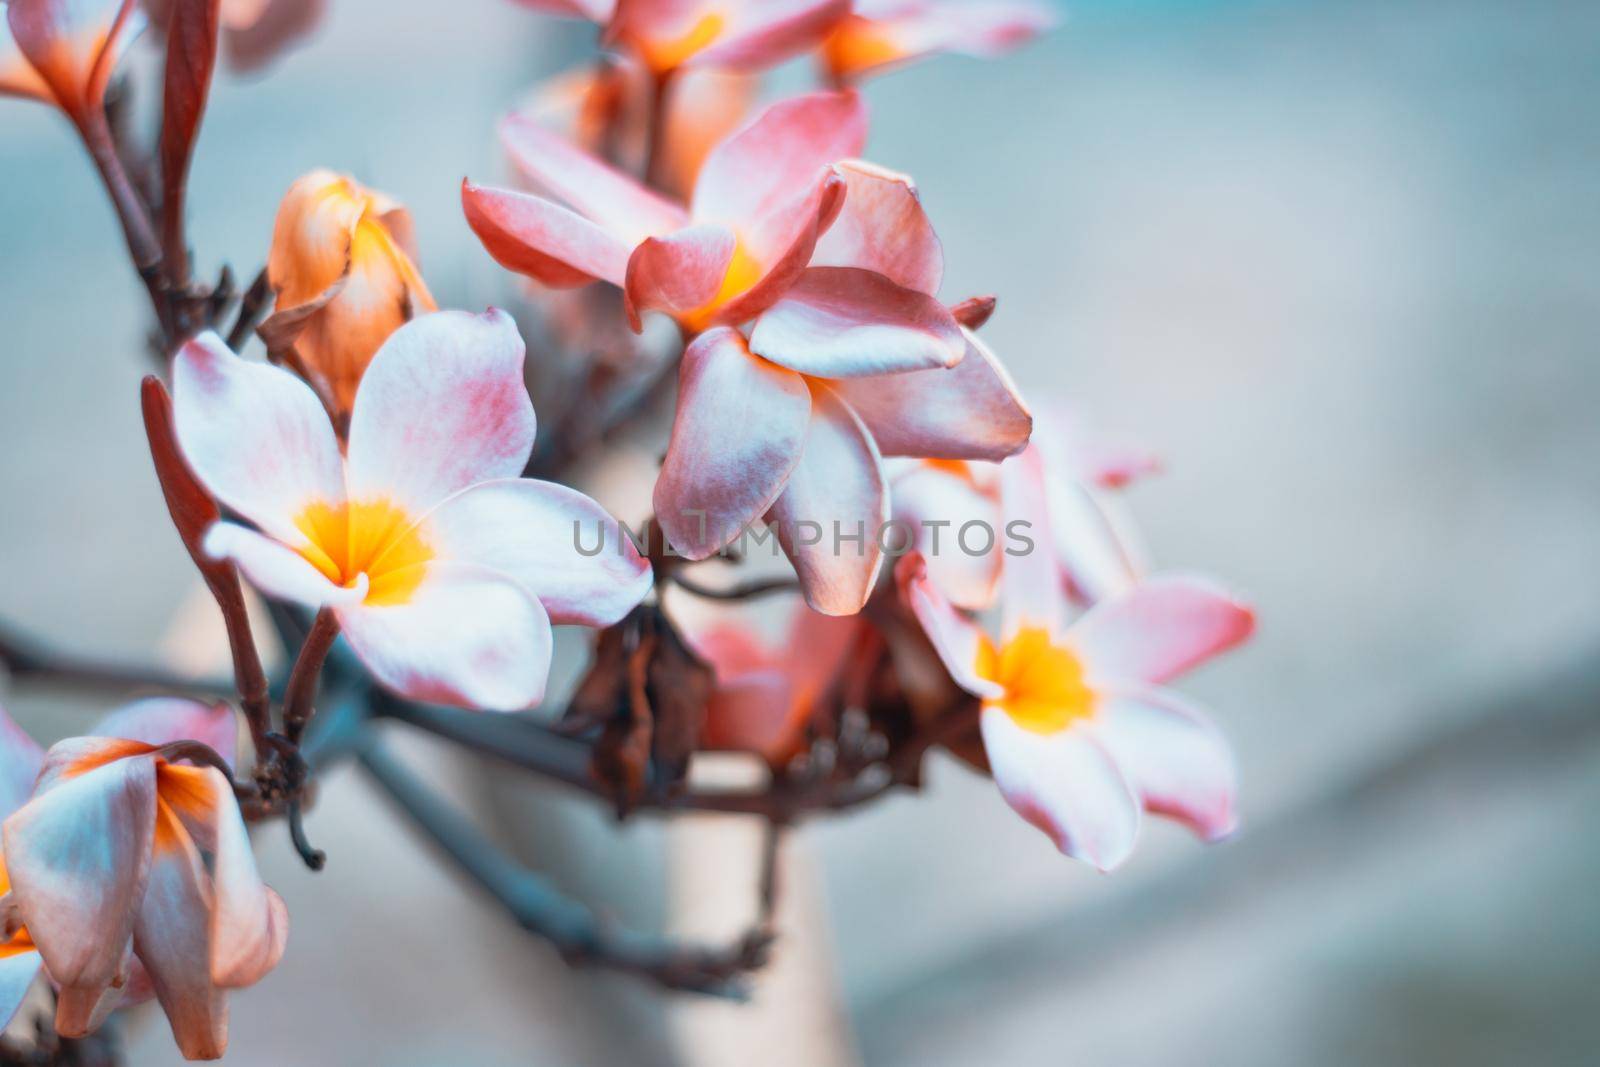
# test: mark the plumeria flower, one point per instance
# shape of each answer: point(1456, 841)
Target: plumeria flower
point(668, 35)
point(444, 567)
point(761, 201)
point(882, 34)
point(343, 266)
point(129, 870)
point(1094, 541)
point(62, 52)
point(604, 109)
point(767, 694)
point(1079, 731)
point(857, 360)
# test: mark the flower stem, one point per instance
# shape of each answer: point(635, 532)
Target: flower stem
point(302, 688)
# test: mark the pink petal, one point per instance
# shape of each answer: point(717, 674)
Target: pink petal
point(1065, 784)
point(20, 760)
point(1173, 756)
point(467, 637)
point(256, 435)
point(752, 712)
point(172, 937)
point(441, 407)
point(842, 322)
point(770, 32)
point(276, 570)
point(555, 542)
point(162, 720)
point(738, 433)
point(594, 10)
point(1031, 593)
point(830, 515)
point(1096, 557)
point(1159, 629)
point(956, 638)
point(549, 243)
point(950, 519)
point(611, 199)
point(913, 30)
point(56, 36)
point(281, 23)
point(882, 228)
point(969, 411)
point(78, 855)
point(678, 272)
point(780, 243)
point(17, 973)
point(777, 157)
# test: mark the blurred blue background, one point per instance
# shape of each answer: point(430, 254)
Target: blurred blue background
point(1336, 260)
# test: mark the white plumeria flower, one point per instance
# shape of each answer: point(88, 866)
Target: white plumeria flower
point(1079, 732)
point(444, 567)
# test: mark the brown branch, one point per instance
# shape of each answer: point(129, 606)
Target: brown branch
point(572, 928)
point(252, 307)
point(301, 691)
point(26, 659)
point(746, 590)
point(660, 112)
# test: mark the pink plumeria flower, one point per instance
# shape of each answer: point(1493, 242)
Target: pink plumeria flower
point(127, 870)
point(1079, 731)
point(762, 199)
point(883, 34)
point(1095, 544)
point(62, 52)
point(669, 35)
point(444, 567)
point(767, 692)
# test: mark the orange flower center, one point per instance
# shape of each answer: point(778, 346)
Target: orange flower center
point(669, 53)
point(1044, 687)
point(20, 941)
point(744, 270)
point(371, 537)
point(859, 44)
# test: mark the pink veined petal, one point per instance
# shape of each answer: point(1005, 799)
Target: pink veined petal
point(256, 435)
point(956, 639)
point(677, 272)
point(78, 855)
point(172, 937)
point(1031, 593)
point(20, 760)
point(1158, 629)
point(549, 243)
point(1172, 755)
point(843, 322)
point(830, 515)
point(950, 519)
point(468, 637)
point(17, 974)
point(555, 542)
point(162, 720)
point(968, 411)
point(776, 158)
point(780, 243)
point(882, 228)
point(738, 433)
point(277, 570)
point(770, 32)
point(442, 406)
point(614, 201)
point(1065, 784)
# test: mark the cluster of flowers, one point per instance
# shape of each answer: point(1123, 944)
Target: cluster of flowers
point(375, 471)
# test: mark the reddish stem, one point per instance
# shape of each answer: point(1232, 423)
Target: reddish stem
point(302, 688)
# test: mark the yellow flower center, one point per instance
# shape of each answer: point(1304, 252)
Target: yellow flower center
point(371, 537)
point(1044, 687)
point(670, 53)
point(743, 273)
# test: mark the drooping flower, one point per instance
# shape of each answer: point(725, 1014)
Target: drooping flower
point(63, 52)
point(131, 873)
point(882, 34)
point(343, 266)
point(938, 501)
point(856, 360)
point(767, 695)
point(444, 567)
point(1079, 731)
point(760, 203)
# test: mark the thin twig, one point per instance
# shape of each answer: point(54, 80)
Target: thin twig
point(26, 659)
point(252, 306)
point(746, 590)
point(301, 691)
point(573, 929)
